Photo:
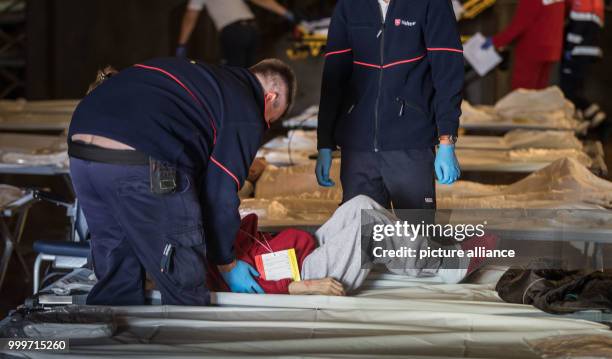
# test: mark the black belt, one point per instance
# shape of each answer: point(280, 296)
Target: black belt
point(94, 153)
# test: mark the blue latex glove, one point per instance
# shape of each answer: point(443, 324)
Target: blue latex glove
point(324, 162)
point(446, 165)
point(181, 51)
point(567, 55)
point(290, 16)
point(488, 43)
point(240, 278)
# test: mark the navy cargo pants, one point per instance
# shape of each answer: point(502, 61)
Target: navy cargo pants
point(405, 178)
point(131, 230)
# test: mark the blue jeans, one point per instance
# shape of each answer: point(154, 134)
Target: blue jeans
point(130, 227)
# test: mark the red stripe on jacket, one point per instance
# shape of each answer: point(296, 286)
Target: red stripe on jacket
point(338, 52)
point(444, 49)
point(224, 169)
point(360, 63)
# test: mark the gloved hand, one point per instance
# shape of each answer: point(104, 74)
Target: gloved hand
point(567, 55)
point(181, 51)
point(488, 43)
point(446, 165)
point(290, 16)
point(324, 161)
point(240, 278)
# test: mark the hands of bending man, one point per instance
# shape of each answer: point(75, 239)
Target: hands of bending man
point(239, 276)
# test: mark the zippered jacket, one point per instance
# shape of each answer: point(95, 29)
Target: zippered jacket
point(584, 28)
point(206, 120)
point(391, 85)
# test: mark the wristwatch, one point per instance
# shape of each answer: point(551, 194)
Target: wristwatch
point(450, 138)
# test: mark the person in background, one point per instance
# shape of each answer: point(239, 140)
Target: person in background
point(537, 31)
point(581, 49)
point(391, 91)
point(236, 26)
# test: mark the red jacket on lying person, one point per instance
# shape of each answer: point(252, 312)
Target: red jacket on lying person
point(249, 244)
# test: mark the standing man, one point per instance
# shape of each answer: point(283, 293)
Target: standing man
point(158, 153)
point(582, 38)
point(236, 26)
point(391, 91)
point(537, 29)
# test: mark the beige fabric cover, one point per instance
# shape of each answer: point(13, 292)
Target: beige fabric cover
point(33, 150)
point(292, 195)
point(9, 194)
point(415, 319)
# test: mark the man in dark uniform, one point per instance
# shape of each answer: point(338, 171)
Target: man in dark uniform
point(158, 153)
point(391, 92)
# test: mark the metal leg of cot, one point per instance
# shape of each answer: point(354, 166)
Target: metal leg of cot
point(18, 235)
point(598, 256)
point(37, 264)
point(9, 246)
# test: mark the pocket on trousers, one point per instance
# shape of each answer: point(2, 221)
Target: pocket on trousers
point(184, 258)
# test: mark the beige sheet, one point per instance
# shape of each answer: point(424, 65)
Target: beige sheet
point(420, 321)
point(9, 194)
point(33, 150)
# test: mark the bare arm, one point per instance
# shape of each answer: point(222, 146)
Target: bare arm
point(325, 286)
point(271, 5)
point(190, 19)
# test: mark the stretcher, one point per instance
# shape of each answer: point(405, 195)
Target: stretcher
point(14, 208)
point(33, 154)
point(291, 195)
point(21, 115)
point(392, 316)
point(545, 109)
point(44, 106)
point(518, 151)
point(34, 121)
point(309, 39)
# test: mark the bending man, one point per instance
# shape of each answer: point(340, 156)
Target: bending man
point(158, 153)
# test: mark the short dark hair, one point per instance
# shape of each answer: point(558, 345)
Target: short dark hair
point(102, 75)
point(277, 71)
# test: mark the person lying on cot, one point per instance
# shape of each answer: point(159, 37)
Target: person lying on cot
point(329, 263)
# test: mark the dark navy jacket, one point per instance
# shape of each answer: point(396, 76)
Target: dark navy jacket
point(206, 120)
point(392, 85)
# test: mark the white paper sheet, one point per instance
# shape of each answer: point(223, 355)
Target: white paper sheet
point(481, 60)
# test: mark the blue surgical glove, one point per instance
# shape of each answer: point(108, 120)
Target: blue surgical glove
point(324, 162)
point(290, 16)
point(181, 51)
point(240, 278)
point(567, 55)
point(488, 43)
point(446, 165)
